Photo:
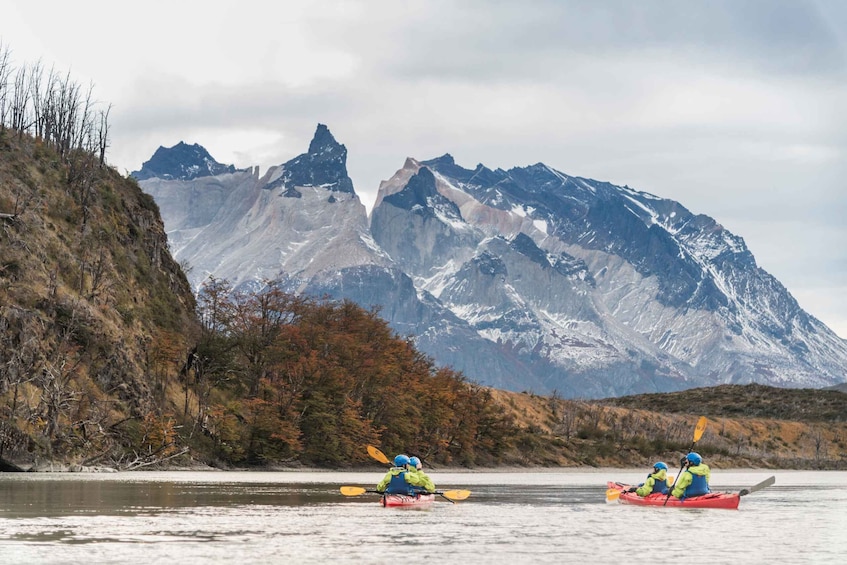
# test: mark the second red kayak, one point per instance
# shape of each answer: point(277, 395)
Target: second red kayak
point(406, 500)
point(726, 500)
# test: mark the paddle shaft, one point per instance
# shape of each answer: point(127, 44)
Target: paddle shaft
point(698, 433)
point(441, 494)
point(766, 483)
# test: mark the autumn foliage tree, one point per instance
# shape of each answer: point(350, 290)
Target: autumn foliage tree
point(315, 381)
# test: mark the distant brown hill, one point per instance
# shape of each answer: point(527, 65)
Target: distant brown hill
point(748, 426)
point(746, 401)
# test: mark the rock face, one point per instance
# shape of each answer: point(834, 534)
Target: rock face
point(526, 279)
point(181, 162)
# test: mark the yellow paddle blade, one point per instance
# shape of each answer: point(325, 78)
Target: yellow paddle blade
point(378, 455)
point(701, 427)
point(613, 494)
point(352, 491)
point(456, 494)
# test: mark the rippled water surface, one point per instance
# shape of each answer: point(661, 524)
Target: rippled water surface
point(300, 517)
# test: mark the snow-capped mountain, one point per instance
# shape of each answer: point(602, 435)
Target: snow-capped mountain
point(181, 162)
point(297, 220)
point(526, 279)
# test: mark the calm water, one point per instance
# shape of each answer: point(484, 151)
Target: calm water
point(300, 517)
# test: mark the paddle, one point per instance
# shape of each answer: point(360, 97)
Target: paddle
point(613, 494)
point(698, 433)
point(378, 455)
point(356, 491)
point(451, 495)
point(766, 483)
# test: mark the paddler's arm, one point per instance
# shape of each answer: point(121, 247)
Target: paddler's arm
point(646, 488)
point(420, 479)
point(682, 484)
point(383, 484)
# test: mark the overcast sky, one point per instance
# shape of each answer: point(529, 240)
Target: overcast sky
point(735, 109)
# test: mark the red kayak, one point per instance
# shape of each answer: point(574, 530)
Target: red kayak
point(727, 500)
point(406, 500)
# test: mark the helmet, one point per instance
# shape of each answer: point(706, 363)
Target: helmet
point(415, 462)
point(401, 460)
point(694, 458)
point(660, 465)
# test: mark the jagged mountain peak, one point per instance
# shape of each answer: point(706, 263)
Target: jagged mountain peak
point(421, 196)
point(324, 165)
point(323, 140)
point(181, 162)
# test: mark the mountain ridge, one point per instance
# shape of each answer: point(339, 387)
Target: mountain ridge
point(573, 285)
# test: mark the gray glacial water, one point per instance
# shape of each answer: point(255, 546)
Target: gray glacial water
point(552, 516)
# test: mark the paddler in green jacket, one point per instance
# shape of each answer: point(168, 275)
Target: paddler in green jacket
point(695, 480)
point(402, 480)
point(416, 467)
point(657, 481)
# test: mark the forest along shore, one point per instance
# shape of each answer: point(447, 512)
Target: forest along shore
point(748, 426)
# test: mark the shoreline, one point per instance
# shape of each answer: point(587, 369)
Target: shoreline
point(506, 469)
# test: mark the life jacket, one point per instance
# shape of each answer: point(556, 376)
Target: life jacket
point(659, 485)
point(398, 484)
point(698, 486)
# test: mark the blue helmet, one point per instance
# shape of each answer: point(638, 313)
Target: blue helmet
point(401, 460)
point(415, 462)
point(694, 458)
point(660, 465)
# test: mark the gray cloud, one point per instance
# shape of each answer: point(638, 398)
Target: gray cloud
point(735, 109)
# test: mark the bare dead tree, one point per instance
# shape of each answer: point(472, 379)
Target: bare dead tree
point(52, 108)
point(57, 394)
point(69, 103)
point(37, 98)
point(103, 133)
point(20, 101)
point(99, 269)
point(83, 129)
point(5, 72)
point(819, 441)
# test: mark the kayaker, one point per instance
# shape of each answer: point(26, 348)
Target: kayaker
point(657, 481)
point(416, 467)
point(400, 479)
point(695, 480)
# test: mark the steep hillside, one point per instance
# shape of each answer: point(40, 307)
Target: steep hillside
point(94, 311)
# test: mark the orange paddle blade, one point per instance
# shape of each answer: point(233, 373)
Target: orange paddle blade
point(456, 494)
point(352, 491)
point(701, 427)
point(378, 455)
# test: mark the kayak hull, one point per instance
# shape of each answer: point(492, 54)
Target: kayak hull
point(724, 500)
point(394, 500)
